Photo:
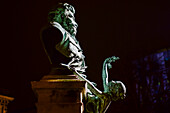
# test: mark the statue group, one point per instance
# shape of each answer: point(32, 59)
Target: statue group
point(66, 57)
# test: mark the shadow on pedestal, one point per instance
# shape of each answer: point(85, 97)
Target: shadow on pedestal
point(59, 94)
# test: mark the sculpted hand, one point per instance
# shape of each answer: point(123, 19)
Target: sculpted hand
point(111, 59)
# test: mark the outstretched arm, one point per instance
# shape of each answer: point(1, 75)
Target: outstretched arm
point(90, 85)
point(106, 65)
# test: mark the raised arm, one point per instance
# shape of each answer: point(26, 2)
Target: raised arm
point(106, 65)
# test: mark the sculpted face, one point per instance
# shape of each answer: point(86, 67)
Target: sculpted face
point(64, 15)
point(69, 22)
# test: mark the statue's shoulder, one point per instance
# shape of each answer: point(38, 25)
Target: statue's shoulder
point(51, 33)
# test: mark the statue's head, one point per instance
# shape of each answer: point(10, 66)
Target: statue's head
point(64, 15)
point(117, 90)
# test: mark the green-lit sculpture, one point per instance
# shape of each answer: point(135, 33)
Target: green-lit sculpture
point(67, 57)
point(59, 40)
point(98, 101)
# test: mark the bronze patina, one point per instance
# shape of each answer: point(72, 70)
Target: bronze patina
point(65, 53)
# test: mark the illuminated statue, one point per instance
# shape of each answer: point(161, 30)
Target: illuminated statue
point(59, 40)
point(98, 101)
point(67, 57)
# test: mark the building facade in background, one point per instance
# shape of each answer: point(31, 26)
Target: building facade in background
point(152, 77)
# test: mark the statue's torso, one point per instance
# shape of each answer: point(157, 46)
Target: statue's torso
point(61, 47)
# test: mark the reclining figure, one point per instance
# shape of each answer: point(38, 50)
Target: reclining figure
point(98, 101)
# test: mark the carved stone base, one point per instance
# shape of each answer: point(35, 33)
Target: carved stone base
point(59, 94)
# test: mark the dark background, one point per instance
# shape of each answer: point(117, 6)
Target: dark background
point(129, 29)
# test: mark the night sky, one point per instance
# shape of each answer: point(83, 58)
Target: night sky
point(129, 29)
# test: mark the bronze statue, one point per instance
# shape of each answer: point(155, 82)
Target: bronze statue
point(98, 101)
point(67, 57)
point(59, 40)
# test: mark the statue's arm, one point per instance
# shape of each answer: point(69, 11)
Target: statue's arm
point(106, 65)
point(105, 76)
point(90, 85)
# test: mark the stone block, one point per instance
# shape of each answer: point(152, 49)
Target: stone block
point(59, 94)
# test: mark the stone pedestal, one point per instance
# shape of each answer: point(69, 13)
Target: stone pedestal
point(59, 94)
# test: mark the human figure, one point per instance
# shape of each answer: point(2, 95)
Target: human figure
point(98, 101)
point(66, 57)
point(60, 42)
